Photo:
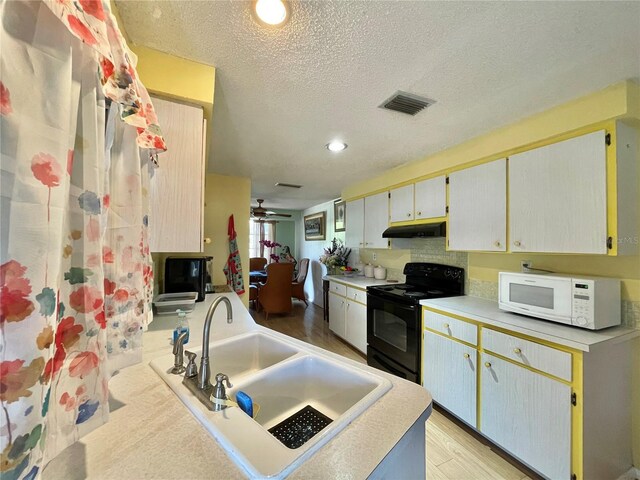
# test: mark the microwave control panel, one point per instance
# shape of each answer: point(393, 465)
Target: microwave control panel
point(582, 305)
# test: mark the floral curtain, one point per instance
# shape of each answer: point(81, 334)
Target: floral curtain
point(75, 269)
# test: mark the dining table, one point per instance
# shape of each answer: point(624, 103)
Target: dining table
point(257, 276)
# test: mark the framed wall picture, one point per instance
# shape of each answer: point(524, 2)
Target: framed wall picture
point(340, 215)
point(314, 226)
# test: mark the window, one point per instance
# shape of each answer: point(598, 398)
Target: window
point(260, 230)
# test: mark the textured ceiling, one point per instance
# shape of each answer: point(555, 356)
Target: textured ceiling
point(282, 94)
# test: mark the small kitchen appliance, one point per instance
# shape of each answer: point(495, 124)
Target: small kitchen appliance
point(394, 316)
point(586, 302)
point(186, 274)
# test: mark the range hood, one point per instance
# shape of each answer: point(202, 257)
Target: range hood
point(423, 230)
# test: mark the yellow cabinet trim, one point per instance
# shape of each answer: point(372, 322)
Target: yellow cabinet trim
point(576, 384)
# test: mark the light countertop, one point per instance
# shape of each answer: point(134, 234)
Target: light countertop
point(357, 281)
point(151, 434)
point(487, 311)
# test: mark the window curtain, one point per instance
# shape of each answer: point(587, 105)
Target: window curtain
point(258, 232)
point(75, 269)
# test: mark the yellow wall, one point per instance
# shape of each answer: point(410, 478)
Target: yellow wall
point(611, 103)
point(616, 102)
point(225, 196)
point(178, 78)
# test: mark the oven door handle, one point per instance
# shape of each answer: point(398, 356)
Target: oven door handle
point(391, 369)
point(373, 300)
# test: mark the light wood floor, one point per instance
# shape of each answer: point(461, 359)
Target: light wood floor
point(452, 452)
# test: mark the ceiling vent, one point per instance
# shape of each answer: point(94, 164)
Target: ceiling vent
point(408, 103)
point(288, 185)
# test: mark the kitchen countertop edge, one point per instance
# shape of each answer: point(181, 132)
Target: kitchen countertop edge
point(487, 311)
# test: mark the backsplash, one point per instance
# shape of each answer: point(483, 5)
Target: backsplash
point(433, 250)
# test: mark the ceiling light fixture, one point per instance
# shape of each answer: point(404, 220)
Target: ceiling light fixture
point(271, 12)
point(336, 146)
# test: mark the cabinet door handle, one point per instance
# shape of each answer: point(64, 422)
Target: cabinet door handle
point(446, 325)
point(419, 214)
point(497, 243)
point(348, 305)
point(466, 355)
point(517, 351)
point(487, 364)
point(408, 215)
point(517, 243)
point(361, 243)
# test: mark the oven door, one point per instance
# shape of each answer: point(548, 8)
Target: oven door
point(393, 329)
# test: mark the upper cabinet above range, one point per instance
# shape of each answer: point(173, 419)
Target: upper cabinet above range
point(177, 186)
point(422, 200)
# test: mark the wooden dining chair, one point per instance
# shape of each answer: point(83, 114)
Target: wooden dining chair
point(275, 295)
point(257, 263)
point(297, 287)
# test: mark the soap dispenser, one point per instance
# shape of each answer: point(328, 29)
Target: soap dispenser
point(182, 326)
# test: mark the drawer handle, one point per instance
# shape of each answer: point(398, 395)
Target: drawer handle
point(408, 215)
point(517, 243)
point(466, 355)
point(419, 213)
point(487, 364)
point(497, 243)
point(517, 351)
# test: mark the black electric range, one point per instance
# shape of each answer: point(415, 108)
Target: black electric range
point(394, 316)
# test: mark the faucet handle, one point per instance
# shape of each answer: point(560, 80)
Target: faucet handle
point(221, 377)
point(192, 368)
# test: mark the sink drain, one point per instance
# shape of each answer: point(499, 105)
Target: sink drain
point(300, 427)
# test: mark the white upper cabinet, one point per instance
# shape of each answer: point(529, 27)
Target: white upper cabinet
point(177, 187)
point(376, 215)
point(478, 208)
point(431, 198)
point(558, 197)
point(422, 200)
point(354, 229)
point(401, 204)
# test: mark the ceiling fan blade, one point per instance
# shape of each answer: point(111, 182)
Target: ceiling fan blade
point(279, 215)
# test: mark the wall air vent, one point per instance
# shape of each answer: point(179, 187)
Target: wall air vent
point(288, 185)
point(408, 103)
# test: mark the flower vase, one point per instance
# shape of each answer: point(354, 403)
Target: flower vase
point(333, 270)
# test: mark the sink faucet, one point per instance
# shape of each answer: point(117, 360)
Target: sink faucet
point(178, 349)
point(204, 375)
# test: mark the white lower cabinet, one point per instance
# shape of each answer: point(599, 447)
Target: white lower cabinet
point(347, 317)
point(449, 370)
point(337, 315)
point(528, 414)
point(356, 320)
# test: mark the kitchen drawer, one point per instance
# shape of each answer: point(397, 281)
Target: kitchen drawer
point(547, 359)
point(338, 288)
point(357, 295)
point(452, 327)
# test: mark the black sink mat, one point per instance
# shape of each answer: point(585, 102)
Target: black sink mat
point(300, 427)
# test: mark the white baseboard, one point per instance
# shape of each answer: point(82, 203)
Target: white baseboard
point(632, 474)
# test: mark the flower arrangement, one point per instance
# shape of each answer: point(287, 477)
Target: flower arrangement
point(337, 255)
point(271, 245)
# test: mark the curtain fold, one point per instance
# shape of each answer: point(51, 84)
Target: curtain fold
point(75, 269)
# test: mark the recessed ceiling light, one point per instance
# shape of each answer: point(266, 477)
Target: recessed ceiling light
point(271, 12)
point(336, 146)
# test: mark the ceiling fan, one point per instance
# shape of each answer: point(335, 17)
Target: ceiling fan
point(261, 213)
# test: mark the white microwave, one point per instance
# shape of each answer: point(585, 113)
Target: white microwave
point(585, 302)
